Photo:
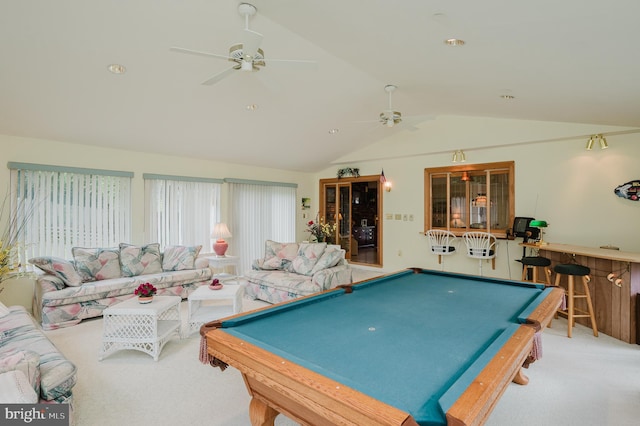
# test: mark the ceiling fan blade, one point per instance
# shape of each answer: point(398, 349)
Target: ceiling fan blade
point(297, 63)
point(251, 41)
point(199, 53)
point(222, 74)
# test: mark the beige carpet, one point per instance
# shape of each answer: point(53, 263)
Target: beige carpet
point(580, 381)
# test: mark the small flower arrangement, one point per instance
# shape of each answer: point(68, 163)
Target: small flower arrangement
point(215, 284)
point(145, 290)
point(320, 230)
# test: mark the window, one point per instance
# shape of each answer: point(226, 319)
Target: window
point(475, 197)
point(65, 207)
point(260, 211)
point(181, 210)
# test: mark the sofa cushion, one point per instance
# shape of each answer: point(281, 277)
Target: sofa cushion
point(57, 374)
point(140, 260)
point(179, 258)
point(97, 263)
point(330, 258)
point(295, 284)
point(308, 256)
point(98, 290)
point(25, 361)
point(60, 268)
point(15, 389)
point(278, 255)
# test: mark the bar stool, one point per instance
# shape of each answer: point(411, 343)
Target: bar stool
point(533, 263)
point(572, 271)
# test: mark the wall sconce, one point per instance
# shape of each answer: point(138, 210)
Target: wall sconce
point(601, 139)
point(459, 156)
point(385, 183)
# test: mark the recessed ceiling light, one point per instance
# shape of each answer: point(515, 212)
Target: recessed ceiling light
point(252, 107)
point(333, 131)
point(117, 69)
point(454, 42)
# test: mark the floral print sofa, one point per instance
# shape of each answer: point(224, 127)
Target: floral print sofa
point(25, 348)
point(70, 291)
point(291, 270)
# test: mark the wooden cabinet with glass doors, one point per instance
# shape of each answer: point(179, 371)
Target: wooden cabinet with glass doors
point(354, 205)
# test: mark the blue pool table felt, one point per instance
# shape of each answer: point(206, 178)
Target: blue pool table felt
point(412, 340)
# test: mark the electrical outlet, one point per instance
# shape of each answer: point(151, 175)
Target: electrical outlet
point(398, 216)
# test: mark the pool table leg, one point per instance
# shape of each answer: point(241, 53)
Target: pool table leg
point(520, 377)
point(261, 414)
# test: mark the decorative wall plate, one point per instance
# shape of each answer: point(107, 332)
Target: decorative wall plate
point(629, 190)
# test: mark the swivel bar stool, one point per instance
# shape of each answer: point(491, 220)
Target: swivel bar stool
point(572, 271)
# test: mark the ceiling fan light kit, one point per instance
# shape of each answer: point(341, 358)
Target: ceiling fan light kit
point(390, 117)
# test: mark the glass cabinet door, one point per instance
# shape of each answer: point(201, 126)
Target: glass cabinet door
point(330, 210)
point(354, 207)
point(344, 217)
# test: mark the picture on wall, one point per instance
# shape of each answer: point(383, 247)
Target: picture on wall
point(306, 203)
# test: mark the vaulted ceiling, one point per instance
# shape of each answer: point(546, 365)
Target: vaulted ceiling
point(563, 61)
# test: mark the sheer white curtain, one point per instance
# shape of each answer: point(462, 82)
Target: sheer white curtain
point(181, 211)
point(260, 211)
point(68, 207)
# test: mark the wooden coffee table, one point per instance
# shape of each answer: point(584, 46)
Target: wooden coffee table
point(142, 327)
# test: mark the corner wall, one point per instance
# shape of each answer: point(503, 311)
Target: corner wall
point(557, 181)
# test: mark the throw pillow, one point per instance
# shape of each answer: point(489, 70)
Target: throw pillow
point(278, 255)
point(330, 258)
point(308, 256)
point(178, 258)
point(95, 264)
point(4, 311)
point(60, 268)
point(140, 260)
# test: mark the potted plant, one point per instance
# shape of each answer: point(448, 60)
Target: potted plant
point(145, 292)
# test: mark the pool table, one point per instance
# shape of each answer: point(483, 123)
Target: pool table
point(417, 347)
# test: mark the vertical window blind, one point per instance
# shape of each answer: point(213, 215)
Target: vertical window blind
point(64, 207)
point(181, 210)
point(260, 211)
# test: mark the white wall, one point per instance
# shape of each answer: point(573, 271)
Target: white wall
point(38, 151)
point(557, 181)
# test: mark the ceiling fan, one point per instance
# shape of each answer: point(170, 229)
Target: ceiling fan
point(390, 117)
point(247, 56)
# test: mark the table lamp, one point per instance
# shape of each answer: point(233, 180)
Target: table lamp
point(220, 232)
point(541, 224)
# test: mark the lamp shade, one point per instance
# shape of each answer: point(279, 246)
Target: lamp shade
point(220, 232)
point(538, 223)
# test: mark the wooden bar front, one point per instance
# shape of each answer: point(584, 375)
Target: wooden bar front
point(614, 306)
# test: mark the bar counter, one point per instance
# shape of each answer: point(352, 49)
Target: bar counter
point(615, 305)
